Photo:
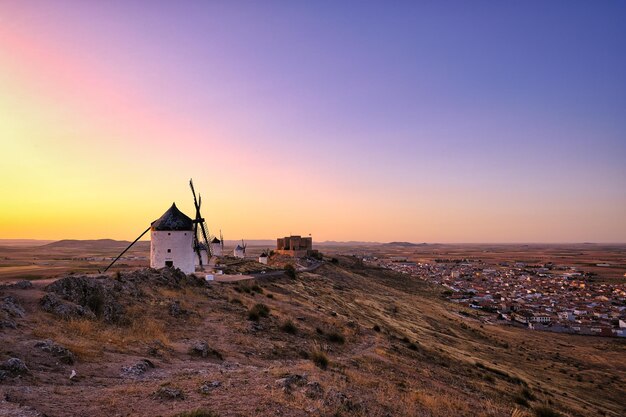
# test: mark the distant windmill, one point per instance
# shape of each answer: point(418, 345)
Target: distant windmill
point(199, 245)
point(240, 250)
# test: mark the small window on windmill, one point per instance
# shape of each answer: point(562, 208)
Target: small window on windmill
point(169, 251)
point(168, 233)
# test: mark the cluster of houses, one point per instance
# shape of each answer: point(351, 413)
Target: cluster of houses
point(542, 297)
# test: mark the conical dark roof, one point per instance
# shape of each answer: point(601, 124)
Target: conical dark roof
point(216, 240)
point(173, 219)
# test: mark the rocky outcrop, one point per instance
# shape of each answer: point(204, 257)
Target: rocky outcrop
point(169, 393)
point(13, 367)
point(63, 354)
point(203, 350)
point(52, 303)
point(137, 369)
point(95, 294)
point(10, 309)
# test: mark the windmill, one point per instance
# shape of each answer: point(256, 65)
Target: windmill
point(222, 240)
point(240, 250)
point(198, 244)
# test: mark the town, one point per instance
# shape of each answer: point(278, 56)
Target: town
point(550, 297)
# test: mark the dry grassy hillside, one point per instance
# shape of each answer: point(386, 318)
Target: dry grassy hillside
point(345, 340)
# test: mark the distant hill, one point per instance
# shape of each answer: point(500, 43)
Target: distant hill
point(23, 242)
point(93, 244)
point(408, 244)
point(348, 243)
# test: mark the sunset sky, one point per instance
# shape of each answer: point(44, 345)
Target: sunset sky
point(494, 121)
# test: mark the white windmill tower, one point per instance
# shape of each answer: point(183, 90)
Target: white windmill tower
point(217, 245)
point(172, 241)
point(240, 250)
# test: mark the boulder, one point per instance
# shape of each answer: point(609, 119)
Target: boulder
point(9, 307)
point(14, 367)
point(66, 310)
point(95, 294)
point(137, 369)
point(203, 350)
point(63, 354)
point(169, 393)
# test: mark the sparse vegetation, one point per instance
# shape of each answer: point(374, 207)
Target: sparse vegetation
point(289, 327)
point(335, 337)
point(259, 310)
point(545, 411)
point(319, 358)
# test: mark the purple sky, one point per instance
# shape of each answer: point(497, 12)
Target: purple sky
point(430, 107)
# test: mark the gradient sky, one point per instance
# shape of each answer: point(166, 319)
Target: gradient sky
point(483, 121)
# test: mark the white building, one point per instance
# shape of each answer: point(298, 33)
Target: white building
point(216, 247)
point(263, 258)
point(239, 252)
point(171, 241)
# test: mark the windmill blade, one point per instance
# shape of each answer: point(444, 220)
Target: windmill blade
point(124, 251)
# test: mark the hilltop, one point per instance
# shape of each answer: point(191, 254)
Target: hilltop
point(346, 339)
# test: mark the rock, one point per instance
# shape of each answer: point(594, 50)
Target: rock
point(96, 295)
point(207, 387)
point(8, 324)
point(11, 308)
point(137, 369)
point(176, 310)
point(169, 393)
point(66, 310)
point(14, 367)
point(23, 285)
point(73, 374)
point(203, 350)
point(156, 348)
point(3, 375)
point(63, 354)
point(314, 390)
point(290, 381)
point(339, 399)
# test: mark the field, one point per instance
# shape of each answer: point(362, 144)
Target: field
point(346, 339)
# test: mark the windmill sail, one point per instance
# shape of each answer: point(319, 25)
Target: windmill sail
point(200, 243)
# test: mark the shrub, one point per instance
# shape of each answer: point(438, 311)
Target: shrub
point(412, 346)
point(545, 411)
point(376, 328)
point(270, 296)
point(336, 337)
point(289, 327)
point(236, 301)
point(334, 260)
point(319, 331)
point(290, 271)
point(259, 310)
point(320, 359)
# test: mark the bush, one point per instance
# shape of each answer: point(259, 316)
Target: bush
point(289, 327)
point(236, 301)
point(376, 328)
point(336, 337)
point(320, 359)
point(270, 295)
point(290, 271)
point(258, 311)
point(334, 260)
point(545, 411)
